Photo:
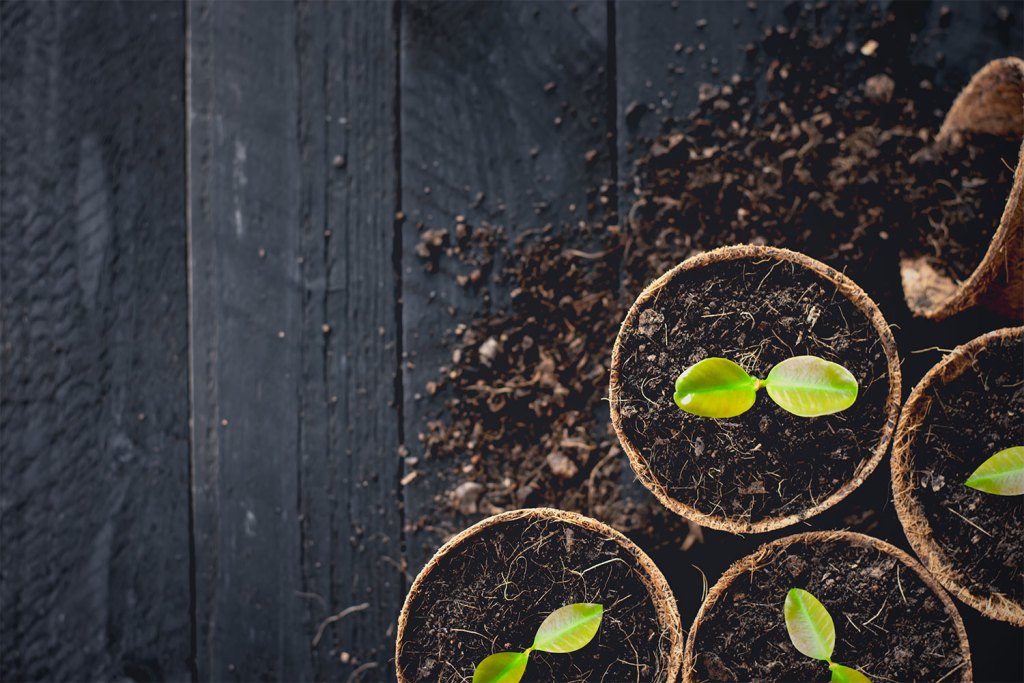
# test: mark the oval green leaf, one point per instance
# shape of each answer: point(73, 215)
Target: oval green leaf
point(715, 387)
point(845, 674)
point(809, 386)
point(569, 628)
point(1002, 474)
point(809, 624)
point(503, 667)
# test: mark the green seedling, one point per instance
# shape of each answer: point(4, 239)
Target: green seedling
point(567, 629)
point(807, 386)
point(1002, 474)
point(813, 633)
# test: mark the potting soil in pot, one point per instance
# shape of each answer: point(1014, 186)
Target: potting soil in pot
point(971, 418)
point(766, 462)
point(889, 623)
point(491, 593)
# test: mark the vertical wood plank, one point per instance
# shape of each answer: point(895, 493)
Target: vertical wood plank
point(351, 422)
point(245, 187)
point(94, 537)
point(293, 193)
point(485, 135)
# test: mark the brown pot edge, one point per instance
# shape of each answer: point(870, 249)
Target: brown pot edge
point(852, 292)
point(916, 527)
point(750, 562)
point(661, 594)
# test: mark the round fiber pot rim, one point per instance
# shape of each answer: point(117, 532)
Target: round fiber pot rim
point(751, 562)
point(844, 286)
point(660, 593)
point(915, 524)
point(1004, 257)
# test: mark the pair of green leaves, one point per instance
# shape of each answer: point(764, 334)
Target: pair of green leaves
point(807, 386)
point(813, 633)
point(567, 629)
point(1002, 474)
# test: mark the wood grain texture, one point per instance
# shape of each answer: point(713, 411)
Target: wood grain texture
point(94, 568)
point(293, 194)
point(245, 182)
point(350, 464)
point(473, 108)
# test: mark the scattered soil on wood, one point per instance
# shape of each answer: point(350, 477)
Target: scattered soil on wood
point(526, 423)
point(785, 153)
point(841, 165)
point(889, 623)
point(492, 594)
point(971, 418)
point(766, 462)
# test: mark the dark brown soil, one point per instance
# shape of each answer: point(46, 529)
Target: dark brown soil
point(766, 462)
point(526, 424)
point(889, 624)
point(840, 164)
point(494, 592)
point(530, 426)
point(971, 418)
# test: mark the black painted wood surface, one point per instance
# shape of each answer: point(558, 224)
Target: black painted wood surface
point(217, 333)
point(294, 349)
point(247, 331)
point(94, 526)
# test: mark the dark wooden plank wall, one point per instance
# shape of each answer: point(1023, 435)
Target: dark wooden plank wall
point(94, 577)
point(353, 551)
point(294, 341)
point(298, 329)
point(247, 288)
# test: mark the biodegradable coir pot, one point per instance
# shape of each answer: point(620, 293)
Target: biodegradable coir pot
point(968, 407)
point(757, 306)
point(991, 104)
point(488, 589)
point(892, 621)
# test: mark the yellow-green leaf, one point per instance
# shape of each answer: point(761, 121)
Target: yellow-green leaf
point(809, 624)
point(569, 628)
point(503, 667)
point(1002, 474)
point(715, 387)
point(809, 386)
point(844, 674)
